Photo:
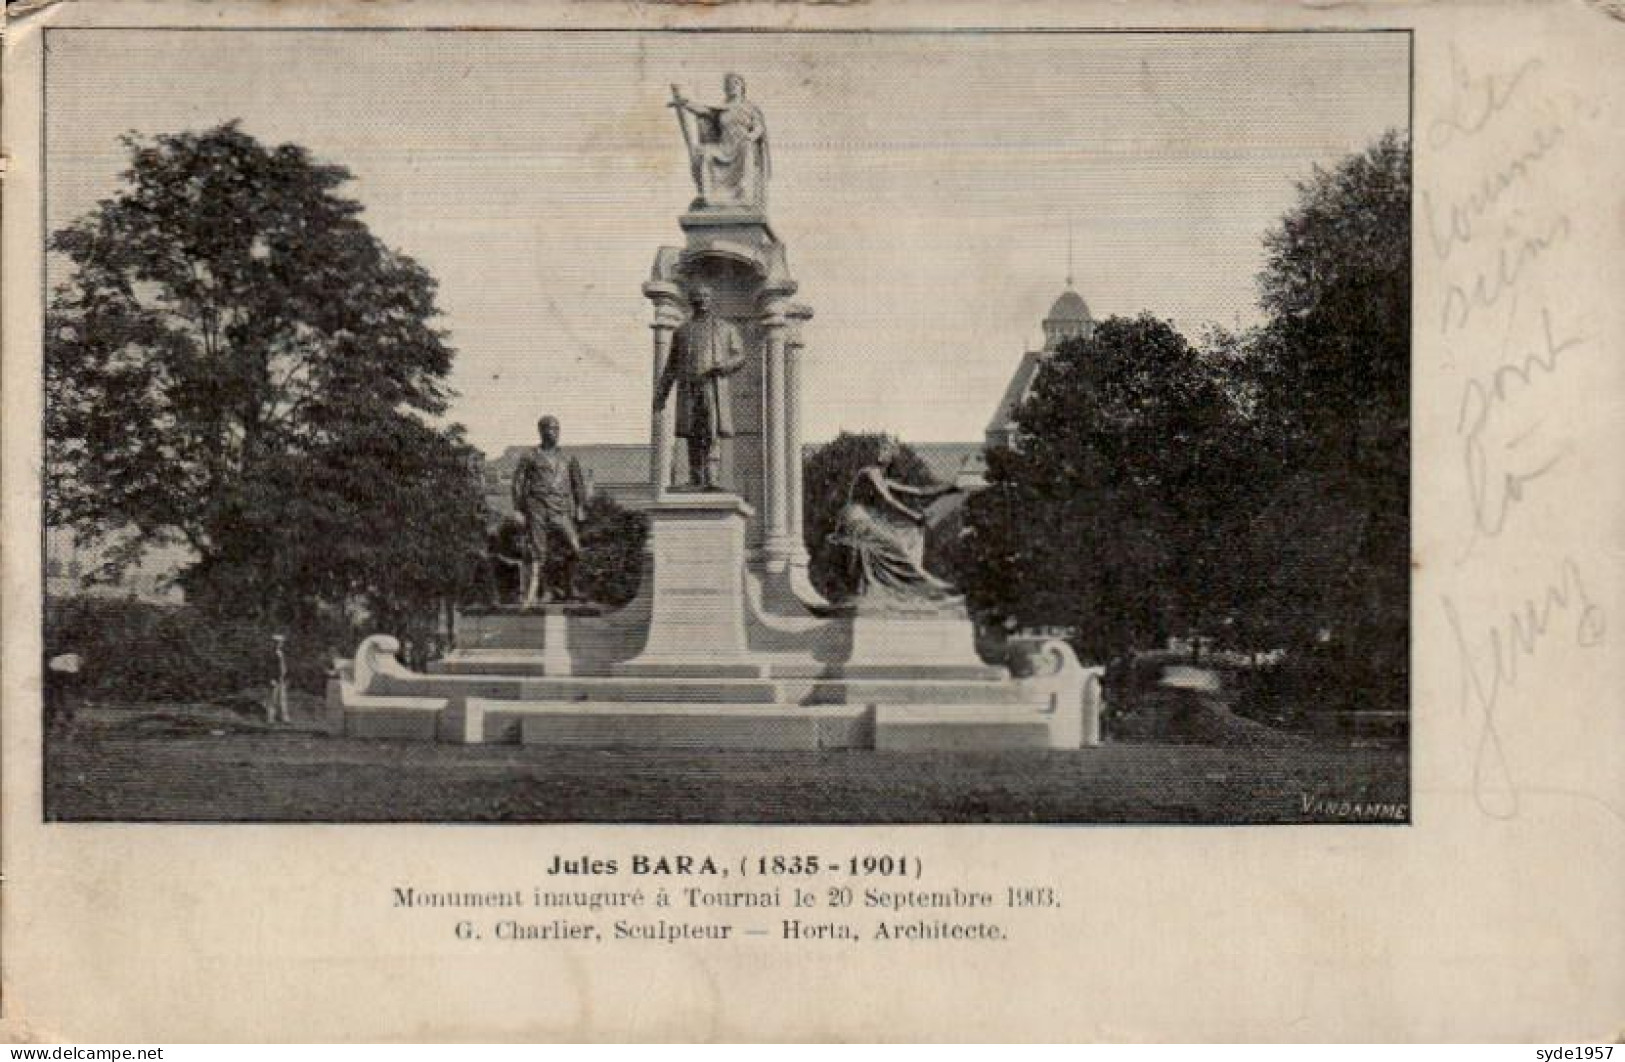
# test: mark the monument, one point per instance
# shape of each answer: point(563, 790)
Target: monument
point(727, 644)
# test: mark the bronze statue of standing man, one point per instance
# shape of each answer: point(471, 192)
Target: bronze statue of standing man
point(705, 351)
point(550, 494)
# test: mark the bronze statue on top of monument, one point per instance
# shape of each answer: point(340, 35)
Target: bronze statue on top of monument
point(727, 148)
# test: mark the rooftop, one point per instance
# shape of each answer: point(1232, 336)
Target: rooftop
point(1069, 307)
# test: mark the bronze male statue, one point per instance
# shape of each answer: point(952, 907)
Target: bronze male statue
point(705, 351)
point(550, 494)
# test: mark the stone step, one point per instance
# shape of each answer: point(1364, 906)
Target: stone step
point(716, 690)
point(517, 664)
point(959, 728)
point(590, 688)
point(870, 691)
point(402, 718)
point(905, 672)
point(477, 662)
point(678, 725)
point(534, 665)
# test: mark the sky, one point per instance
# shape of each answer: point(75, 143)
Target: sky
point(924, 185)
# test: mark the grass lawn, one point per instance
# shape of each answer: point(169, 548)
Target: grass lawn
point(181, 769)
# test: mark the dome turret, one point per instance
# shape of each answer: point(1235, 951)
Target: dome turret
point(1068, 319)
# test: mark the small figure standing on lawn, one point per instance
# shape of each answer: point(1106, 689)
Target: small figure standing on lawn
point(276, 710)
point(550, 494)
point(61, 690)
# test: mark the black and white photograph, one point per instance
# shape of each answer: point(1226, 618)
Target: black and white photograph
point(788, 521)
point(726, 427)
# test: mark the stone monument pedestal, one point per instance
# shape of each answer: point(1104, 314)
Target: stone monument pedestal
point(696, 589)
point(933, 642)
point(498, 634)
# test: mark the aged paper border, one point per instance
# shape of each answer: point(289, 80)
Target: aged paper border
point(1488, 918)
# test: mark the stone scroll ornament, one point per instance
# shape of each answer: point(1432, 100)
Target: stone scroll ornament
point(727, 147)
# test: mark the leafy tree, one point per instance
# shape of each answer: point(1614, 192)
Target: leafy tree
point(382, 514)
point(610, 568)
point(612, 551)
point(1332, 376)
point(827, 480)
point(1258, 485)
point(1333, 364)
point(237, 363)
point(1102, 519)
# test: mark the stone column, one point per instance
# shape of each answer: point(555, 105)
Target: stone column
point(776, 465)
point(793, 444)
point(668, 314)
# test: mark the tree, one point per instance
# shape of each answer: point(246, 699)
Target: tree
point(1332, 378)
point(384, 514)
point(612, 551)
point(1333, 363)
point(1103, 519)
point(826, 483)
point(237, 363)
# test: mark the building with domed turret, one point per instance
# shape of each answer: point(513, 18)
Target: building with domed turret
point(1067, 319)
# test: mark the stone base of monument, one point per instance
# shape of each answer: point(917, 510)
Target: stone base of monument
point(957, 728)
point(699, 661)
point(928, 641)
point(696, 587)
point(1055, 705)
point(696, 726)
point(496, 638)
point(399, 718)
